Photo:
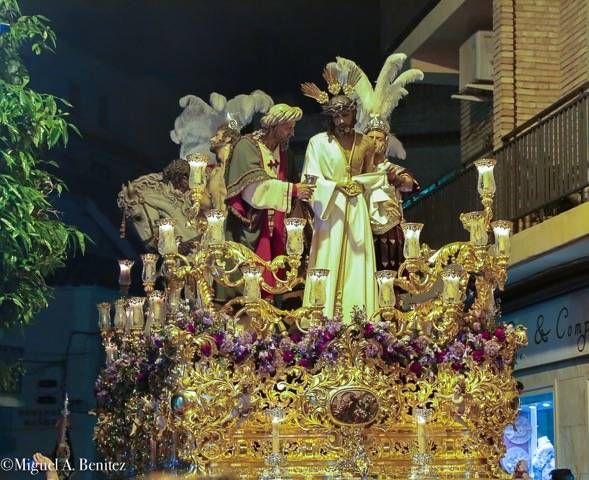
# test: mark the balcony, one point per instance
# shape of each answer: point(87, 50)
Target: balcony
point(542, 170)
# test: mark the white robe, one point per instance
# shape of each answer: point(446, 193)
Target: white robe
point(339, 242)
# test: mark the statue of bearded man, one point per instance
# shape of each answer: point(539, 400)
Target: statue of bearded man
point(261, 185)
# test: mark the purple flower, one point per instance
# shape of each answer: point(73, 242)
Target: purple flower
point(227, 345)
point(371, 350)
point(486, 335)
point(190, 328)
point(455, 351)
point(206, 349)
point(492, 348)
point(218, 336)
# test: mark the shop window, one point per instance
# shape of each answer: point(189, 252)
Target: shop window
point(531, 438)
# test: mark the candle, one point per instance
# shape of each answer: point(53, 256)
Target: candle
point(166, 244)
point(386, 291)
point(486, 181)
point(421, 416)
point(276, 414)
point(421, 436)
point(411, 231)
point(120, 313)
point(128, 318)
point(451, 279)
point(502, 230)
point(136, 304)
point(110, 350)
point(174, 298)
point(252, 274)
point(152, 452)
point(294, 235)
point(148, 323)
point(198, 163)
point(215, 227)
point(125, 266)
point(476, 224)
point(318, 284)
point(149, 273)
point(156, 306)
point(103, 315)
point(275, 435)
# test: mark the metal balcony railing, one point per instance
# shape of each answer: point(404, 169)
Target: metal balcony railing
point(542, 162)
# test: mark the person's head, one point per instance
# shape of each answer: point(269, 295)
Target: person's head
point(225, 135)
point(379, 140)
point(378, 131)
point(341, 111)
point(278, 124)
point(177, 173)
point(562, 474)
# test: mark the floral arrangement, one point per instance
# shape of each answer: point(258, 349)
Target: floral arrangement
point(142, 369)
point(146, 367)
point(422, 356)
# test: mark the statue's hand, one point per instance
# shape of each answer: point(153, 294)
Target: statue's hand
point(384, 167)
point(304, 191)
point(350, 189)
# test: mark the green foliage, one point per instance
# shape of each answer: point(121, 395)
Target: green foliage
point(33, 240)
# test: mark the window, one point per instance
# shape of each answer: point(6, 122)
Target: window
point(531, 438)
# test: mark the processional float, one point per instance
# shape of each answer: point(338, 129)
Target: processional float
point(422, 389)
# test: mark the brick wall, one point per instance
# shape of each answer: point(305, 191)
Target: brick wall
point(574, 20)
point(476, 129)
point(503, 60)
point(541, 53)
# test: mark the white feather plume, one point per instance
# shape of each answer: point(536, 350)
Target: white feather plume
point(218, 101)
point(388, 72)
point(263, 101)
point(396, 91)
point(198, 121)
point(395, 148)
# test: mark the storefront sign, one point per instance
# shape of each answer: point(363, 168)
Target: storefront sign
point(558, 329)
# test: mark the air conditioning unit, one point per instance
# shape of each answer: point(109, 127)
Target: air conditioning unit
point(476, 63)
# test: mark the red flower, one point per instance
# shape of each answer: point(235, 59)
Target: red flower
point(500, 334)
point(206, 350)
point(486, 335)
point(287, 356)
point(368, 330)
point(478, 355)
point(190, 328)
point(295, 336)
point(416, 368)
point(306, 363)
